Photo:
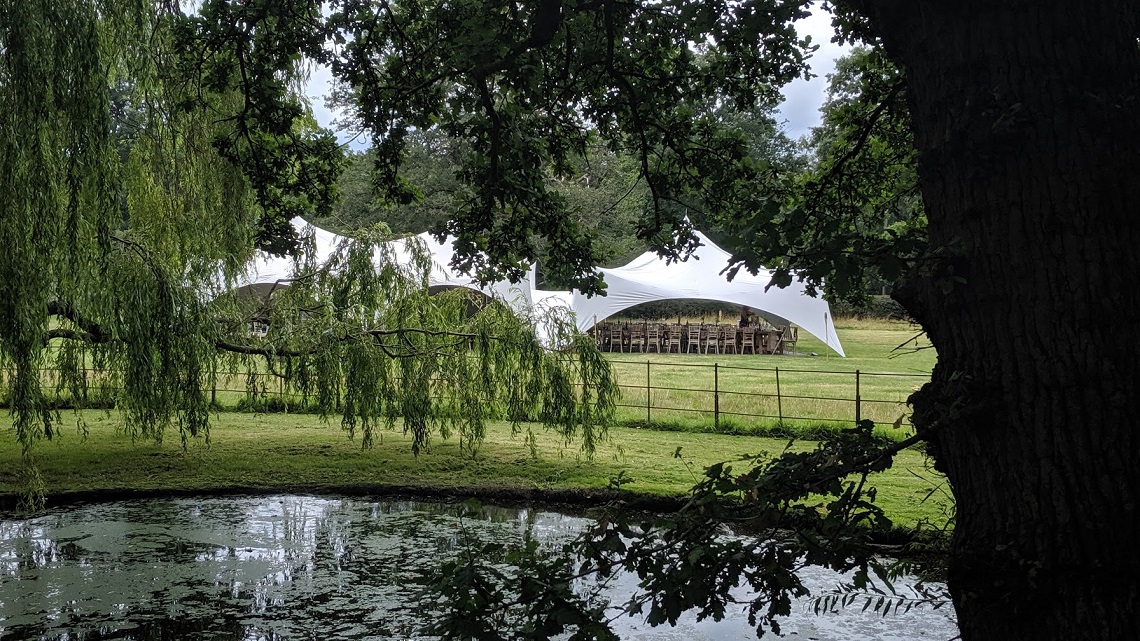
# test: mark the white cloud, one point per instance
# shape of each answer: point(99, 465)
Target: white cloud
point(803, 98)
point(317, 89)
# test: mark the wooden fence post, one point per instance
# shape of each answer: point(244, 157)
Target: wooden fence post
point(648, 404)
point(858, 402)
point(779, 400)
point(716, 396)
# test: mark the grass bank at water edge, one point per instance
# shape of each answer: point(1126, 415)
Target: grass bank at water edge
point(285, 452)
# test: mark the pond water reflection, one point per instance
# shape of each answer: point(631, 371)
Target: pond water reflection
point(297, 567)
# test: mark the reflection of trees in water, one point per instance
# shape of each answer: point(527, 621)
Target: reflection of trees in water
point(30, 545)
point(225, 628)
point(239, 568)
point(31, 549)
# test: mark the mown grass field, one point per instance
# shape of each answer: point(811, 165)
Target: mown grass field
point(299, 452)
point(813, 390)
point(291, 452)
point(734, 393)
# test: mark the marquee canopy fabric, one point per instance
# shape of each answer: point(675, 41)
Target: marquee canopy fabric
point(650, 278)
point(266, 272)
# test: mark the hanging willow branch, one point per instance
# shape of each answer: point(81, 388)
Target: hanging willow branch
point(142, 171)
point(437, 363)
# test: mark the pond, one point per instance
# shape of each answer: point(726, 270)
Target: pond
point(302, 567)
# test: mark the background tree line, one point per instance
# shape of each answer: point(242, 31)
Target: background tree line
point(609, 199)
point(606, 196)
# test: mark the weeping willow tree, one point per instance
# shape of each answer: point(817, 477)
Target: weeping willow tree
point(145, 161)
point(361, 335)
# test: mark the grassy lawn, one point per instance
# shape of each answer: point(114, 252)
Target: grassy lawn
point(297, 452)
point(811, 390)
point(290, 452)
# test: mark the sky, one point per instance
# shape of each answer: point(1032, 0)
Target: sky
point(798, 113)
point(803, 98)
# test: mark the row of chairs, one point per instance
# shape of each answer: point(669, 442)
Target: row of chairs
point(694, 338)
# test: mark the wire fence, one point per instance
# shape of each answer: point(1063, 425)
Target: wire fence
point(683, 393)
point(651, 393)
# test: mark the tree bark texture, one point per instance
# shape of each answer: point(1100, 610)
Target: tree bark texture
point(1027, 120)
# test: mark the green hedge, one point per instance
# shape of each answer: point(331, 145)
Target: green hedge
point(686, 308)
point(876, 306)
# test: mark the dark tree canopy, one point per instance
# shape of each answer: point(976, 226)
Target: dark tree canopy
point(605, 195)
point(530, 87)
point(1014, 120)
point(854, 216)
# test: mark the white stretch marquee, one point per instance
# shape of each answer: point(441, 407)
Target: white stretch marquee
point(649, 278)
point(266, 272)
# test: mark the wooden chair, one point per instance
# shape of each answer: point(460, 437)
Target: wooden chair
point(637, 337)
point(694, 339)
point(728, 340)
point(790, 337)
point(617, 338)
point(653, 338)
point(712, 337)
point(674, 339)
point(748, 339)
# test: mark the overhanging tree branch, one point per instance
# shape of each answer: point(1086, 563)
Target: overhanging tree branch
point(94, 333)
point(867, 127)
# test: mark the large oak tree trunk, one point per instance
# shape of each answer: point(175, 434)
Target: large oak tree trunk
point(1027, 122)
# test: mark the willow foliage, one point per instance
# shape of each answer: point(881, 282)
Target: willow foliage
point(146, 156)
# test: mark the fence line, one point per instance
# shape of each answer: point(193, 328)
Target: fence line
point(856, 407)
point(728, 399)
point(774, 369)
